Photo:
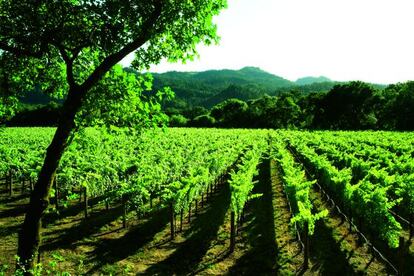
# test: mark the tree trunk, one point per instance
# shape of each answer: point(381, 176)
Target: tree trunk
point(56, 193)
point(29, 237)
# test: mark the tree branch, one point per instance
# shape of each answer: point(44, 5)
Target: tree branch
point(114, 58)
point(20, 52)
point(69, 65)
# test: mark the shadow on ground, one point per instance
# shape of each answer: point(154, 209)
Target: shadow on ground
point(259, 228)
point(110, 251)
point(203, 230)
point(325, 253)
point(68, 237)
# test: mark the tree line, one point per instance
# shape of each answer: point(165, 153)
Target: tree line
point(350, 106)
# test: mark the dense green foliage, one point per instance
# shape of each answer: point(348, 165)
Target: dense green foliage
point(352, 106)
point(365, 188)
point(369, 174)
point(297, 186)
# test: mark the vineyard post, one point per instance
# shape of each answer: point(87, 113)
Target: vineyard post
point(175, 223)
point(306, 240)
point(124, 211)
point(181, 219)
point(85, 197)
point(6, 182)
point(411, 227)
point(207, 190)
point(172, 219)
point(10, 183)
point(23, 185)
point(196, 206)
point(31, 184)
point(401, 253)
point(202, 200)
point(151, 201)
point(232, 232)
point(189, 213)
point(107, 204)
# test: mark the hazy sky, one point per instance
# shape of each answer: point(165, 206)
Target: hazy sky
point(369, 40)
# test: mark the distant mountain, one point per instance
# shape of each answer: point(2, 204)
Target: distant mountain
point(246, 92)
point(220, 79)
point(208, 87)
point(211, 87)
point(311, 80)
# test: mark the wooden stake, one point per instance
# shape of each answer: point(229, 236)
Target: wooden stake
point(10, 184)
point(172, 219)
point(85, 197)
point(306, 240)
point(232, 232)
point(181, 219)
point(124, 211)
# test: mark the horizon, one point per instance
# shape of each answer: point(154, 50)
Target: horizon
point(344, 41)
point(291, 80)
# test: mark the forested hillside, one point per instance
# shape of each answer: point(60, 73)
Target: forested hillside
point(253, 98)
point(211, 87)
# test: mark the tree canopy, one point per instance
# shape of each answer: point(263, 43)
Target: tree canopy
point(69, 47)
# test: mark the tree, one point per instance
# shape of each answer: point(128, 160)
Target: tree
point(83, 40)
point(178, 120)
point(258, 113)
point(203, 121)
point(286, 113)
point(230, 113)
point(347, 106)
point(403, 107)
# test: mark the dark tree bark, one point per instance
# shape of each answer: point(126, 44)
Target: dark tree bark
point(56, 187)
point(29, 238)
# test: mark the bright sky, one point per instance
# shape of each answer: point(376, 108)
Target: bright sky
point(369, 40)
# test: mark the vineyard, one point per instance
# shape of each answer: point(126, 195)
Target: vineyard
point(210, 201)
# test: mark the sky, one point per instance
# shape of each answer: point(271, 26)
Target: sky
point(368, 40)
